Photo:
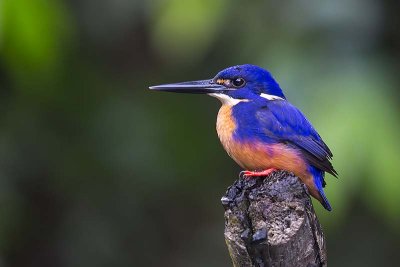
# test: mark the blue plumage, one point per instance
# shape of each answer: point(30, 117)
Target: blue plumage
point(319, 182)
point(280, 122)
point(258, 79)
point(261, 130)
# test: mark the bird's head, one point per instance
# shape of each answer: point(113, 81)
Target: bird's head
point(232, 85)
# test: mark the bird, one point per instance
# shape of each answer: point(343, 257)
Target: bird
point(261, 130)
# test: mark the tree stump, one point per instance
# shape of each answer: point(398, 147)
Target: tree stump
point(271, 222)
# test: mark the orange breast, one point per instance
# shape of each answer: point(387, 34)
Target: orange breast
point(257, 156)
point(226, 127)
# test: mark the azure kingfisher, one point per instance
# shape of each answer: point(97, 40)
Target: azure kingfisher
point(261, 130)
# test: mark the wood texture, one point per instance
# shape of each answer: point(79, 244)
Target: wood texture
point(271, 222)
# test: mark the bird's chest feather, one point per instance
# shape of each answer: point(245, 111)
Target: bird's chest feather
point(253, 153)
point(226, 127)
point(236, 149)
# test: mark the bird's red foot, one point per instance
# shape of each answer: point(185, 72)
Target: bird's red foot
point(248, 174)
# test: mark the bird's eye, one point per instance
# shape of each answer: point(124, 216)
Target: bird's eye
point(238, 82)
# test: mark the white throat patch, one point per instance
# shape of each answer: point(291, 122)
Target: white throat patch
point(271, 97)
point(227, 100)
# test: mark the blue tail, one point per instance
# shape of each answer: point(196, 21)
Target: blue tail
point(320, 183)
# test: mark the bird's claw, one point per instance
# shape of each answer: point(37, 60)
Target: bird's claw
point(249, 174)
point(244, 174)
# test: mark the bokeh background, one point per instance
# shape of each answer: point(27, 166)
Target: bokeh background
point(96, 170)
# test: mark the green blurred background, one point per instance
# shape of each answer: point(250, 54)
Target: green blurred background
point(96, 170)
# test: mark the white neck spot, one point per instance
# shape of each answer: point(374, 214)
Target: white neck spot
point(227, 100)
point(271, 97)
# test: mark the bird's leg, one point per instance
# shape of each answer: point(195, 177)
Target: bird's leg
point(248, 174)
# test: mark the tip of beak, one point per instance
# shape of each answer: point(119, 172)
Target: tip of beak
point(157, 88)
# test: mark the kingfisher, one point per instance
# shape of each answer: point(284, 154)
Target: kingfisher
point(261, 130)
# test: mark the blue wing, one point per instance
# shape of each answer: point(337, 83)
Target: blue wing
point(283, 122)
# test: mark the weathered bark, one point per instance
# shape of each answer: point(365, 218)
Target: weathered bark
point(271, 222)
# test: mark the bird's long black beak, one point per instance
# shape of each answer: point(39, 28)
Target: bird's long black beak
point(193, 87)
